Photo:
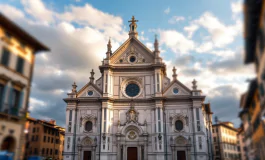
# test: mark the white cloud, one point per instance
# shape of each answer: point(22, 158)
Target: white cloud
point(166, 11)
point(37, 9)
point(11, 11)
point(176, 19)
point(112, 25)
point(191, 29)
point(221, 34)
point(205, 47)
point(237, 7)
point(176, 41)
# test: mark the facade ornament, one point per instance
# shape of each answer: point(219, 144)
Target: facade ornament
point(132, 114)
point(109, 52)
point(174, 73)
point(92, 76)
point(133, 28)
point(95, 140)
point(74, 86)
point(187, 120)
point(194, 84)
point(156, 47)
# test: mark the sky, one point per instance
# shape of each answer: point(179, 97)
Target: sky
point(203, 39)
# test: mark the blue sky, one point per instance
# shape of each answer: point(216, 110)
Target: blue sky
point(202, 38)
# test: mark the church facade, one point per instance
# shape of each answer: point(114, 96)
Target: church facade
point(135, 112)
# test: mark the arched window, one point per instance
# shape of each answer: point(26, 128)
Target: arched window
point(178, 125)
point(88, 126)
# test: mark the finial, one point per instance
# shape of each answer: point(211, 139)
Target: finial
point(174, 73)
point(109, 52)
point(194, 84)
point(133, 32)
point(92, 76)
point(74, 87)
point(156, 46)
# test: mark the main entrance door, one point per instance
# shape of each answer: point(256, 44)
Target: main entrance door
point(132, 153)
point(87, 155)
point(181, 155)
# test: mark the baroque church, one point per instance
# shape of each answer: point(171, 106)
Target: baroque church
point(135, 112)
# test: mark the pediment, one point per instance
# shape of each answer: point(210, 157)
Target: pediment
point(90, 90)
point(182, 89)
point(132, 47)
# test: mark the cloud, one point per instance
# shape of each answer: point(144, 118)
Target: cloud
point(237, 7)
point(176, 41)
point(37, 9)
point(204, 47)
point(176, 19)
point(166, 11)
point(220, 34)
point(11, 11)
point(225, 103)
point(191, 29)
point(77, 44)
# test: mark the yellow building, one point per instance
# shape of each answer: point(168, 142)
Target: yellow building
point(44, 139)
point(225, 141)
point(17, 54)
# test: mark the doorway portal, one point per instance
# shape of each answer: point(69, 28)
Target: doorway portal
point(132, 153)
point(87, 155)
point(8, 144)
point(181, 155)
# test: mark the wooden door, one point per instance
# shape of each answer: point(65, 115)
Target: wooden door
point(181, 155)
point(132, 153)
point(87, 155)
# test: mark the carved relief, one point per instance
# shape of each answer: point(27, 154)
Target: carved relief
point(132, 135)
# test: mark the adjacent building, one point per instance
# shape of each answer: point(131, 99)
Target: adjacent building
point(253, 108)
point(44, 139)
point(135, 111)
point(17, 52)
point(225, 141)
point(241, 144)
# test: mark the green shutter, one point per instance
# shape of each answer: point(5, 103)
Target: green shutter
point(5, 57)
point(20, 65)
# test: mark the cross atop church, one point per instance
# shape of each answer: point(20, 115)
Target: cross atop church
point(133, 20)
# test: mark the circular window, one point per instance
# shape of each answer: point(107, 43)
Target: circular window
point(132, 59)
point(88, 126)
point(121, 60)
point(178, 125)
point(175, 90)
point(132, 89)
point(90, 93)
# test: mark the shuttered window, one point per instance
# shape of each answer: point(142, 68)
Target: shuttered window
point(20, 65)
point(5, 57)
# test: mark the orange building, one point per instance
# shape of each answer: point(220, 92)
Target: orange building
point(44, 139)
point(17, 57)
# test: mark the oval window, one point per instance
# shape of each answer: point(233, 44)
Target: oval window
point(175, 90)
point(90, 93)
point(132, 59)
point(178, 125)
point(88, 126)
point(132, 90)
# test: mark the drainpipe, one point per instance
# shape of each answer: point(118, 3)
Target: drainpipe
point(194, 140)
point(75, 131)
point(165, 130)
point(100, 131)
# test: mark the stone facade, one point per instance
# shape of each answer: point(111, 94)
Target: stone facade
point(134, 111)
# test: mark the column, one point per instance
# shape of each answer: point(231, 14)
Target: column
point(145, 149)
point(79, 152)
point(173, 152)
point(118, 151)
point(93, 153)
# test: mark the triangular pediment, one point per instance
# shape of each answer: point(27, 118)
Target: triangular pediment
point(181, 89)
point(132, 47)
point(90, 90)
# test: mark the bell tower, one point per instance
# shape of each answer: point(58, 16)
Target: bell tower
point(133, 28)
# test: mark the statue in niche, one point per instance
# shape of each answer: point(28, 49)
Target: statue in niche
point(132, 114)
